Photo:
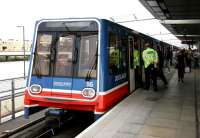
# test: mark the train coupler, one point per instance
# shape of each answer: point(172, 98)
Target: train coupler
point(55, 117)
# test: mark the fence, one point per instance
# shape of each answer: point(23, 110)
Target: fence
point(11, 96)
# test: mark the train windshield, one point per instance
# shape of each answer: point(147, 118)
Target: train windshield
point(66, 49)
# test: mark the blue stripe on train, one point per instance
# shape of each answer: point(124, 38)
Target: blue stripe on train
point(63, 83)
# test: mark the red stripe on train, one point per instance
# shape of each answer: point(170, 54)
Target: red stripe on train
point(105, 102)
point(101, 104)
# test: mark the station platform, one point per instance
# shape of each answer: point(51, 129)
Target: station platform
point(171, 112)
point(19, 122)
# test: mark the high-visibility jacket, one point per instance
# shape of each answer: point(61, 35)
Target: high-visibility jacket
point(136, 58)
point(150, 56)
point(115, 56)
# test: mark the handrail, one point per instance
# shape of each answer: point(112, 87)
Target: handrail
point(3, 98)
point(12, 78)
point(13, 92)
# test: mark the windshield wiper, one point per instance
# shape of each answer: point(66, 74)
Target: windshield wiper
point(88, 76)
point(53, 50)
point(66, 27)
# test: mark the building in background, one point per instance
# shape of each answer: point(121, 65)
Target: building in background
point(14, 45)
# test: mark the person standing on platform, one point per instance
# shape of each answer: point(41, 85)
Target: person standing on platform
point(150, 58)
point(181, 64)
point(189, 57)
point(196, 58)
point(160, 72)
point(168, 58)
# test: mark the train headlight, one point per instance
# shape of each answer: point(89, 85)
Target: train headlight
point(88, 93)
point(35, 89)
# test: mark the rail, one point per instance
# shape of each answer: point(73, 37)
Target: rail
point(25, 126)
point(10, 90)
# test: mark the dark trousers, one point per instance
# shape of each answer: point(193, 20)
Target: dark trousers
point(189, 64)
point(161, 75)
point(150, 73)
point(196, 62)
point(181, 71)
point(138, 77)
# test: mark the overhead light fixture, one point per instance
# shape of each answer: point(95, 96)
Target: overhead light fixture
point(182, 21)
point(188, 35)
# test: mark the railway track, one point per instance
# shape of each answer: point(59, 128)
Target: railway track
point(70, 126)
point(10, 133)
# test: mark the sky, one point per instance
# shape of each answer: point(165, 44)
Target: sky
point(26, 12)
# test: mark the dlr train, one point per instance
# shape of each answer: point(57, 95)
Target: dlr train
point(84, 64)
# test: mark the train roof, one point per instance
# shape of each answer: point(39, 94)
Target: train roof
point(144, 36)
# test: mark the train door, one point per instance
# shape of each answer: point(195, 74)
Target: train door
point(131, 64)
point(137, 62)
point(63, 66)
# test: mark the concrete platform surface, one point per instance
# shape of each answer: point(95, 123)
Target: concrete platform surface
point(168, 113)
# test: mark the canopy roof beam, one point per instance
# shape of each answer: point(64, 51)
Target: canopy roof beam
point(188, 21)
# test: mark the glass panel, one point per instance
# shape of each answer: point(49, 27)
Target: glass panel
point(113, 54)
point(124, 54)
point(88, 58)
point(41, 66)
point(73, 48)
point(63, 66)
point(44, 43)
point(118, 55)
point(42, 56)
point(69, 26)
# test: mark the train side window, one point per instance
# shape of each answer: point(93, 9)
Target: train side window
point(114, 54)
point(124, 54)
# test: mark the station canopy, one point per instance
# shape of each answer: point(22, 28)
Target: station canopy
point(180, 17)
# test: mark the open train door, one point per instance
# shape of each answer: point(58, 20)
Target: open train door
point(131, 66)
point(141, 62)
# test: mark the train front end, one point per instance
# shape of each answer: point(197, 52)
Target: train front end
point(64, 65)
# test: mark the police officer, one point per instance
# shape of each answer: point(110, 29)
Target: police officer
point(150, 58)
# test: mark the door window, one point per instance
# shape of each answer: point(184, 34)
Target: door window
point(63, 65)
